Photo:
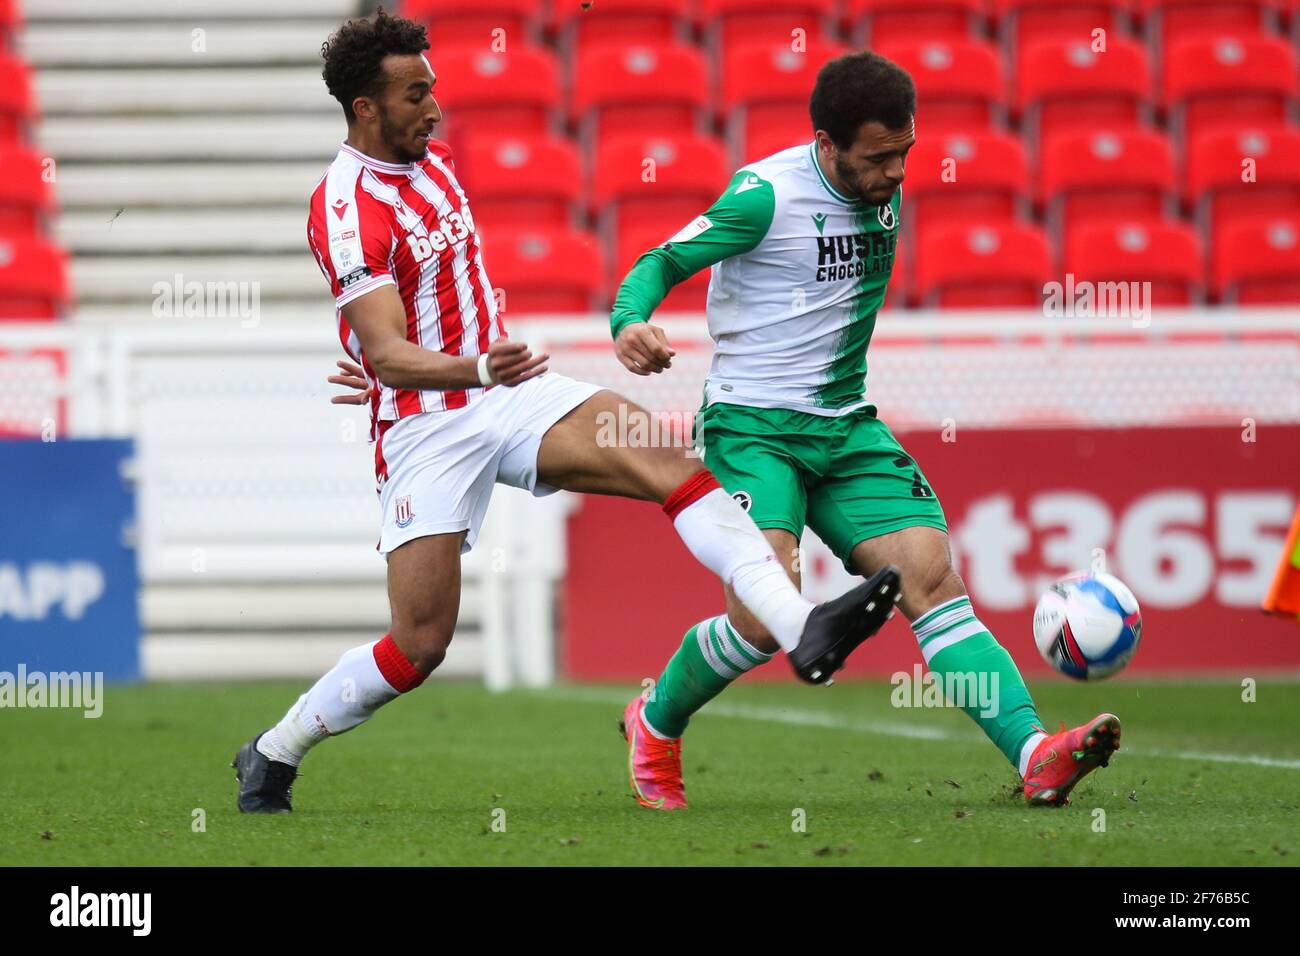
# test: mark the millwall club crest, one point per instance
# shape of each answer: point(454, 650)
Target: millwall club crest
point(404, 513)
point(885, 215)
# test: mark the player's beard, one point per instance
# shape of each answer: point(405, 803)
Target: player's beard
point(395, 139)
point(845, 172)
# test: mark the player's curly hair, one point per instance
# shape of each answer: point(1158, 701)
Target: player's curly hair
point(353, 55)
point(859, 88)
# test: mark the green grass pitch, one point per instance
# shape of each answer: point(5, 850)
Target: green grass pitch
point(1202, 778)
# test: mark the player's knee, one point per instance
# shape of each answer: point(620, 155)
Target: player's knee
point(669, 470)
point(423, 643)
point(933, 585)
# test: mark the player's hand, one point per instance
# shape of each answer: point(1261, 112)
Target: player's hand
point(513, 363)
point(352, 377)
point(643, 348)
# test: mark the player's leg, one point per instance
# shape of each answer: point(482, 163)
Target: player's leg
point(767, 459)
point(964, 654)
point(957, 647)
point(714, 653)
point(714, 527)
point(436, 478)
point(878, 507)
point(424, 593)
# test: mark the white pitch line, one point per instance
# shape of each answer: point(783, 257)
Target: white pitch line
point(887, 728)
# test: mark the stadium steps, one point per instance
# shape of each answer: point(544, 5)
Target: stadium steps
point(162, 231)
point(137, 139)
point(270, 655)
point(38, 11)
point(172, 185)
point(237, 42)
point(117, 281)
point(160, 93)
point(306, 607)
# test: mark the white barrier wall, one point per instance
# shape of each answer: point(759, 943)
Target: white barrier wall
point(257, 513)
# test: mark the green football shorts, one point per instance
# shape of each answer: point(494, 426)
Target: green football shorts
point(847, 478)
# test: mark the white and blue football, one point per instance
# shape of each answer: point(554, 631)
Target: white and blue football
point(1088, 625)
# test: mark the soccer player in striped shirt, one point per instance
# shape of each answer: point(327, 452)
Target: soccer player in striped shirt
point(456, 407)
point(801, 246)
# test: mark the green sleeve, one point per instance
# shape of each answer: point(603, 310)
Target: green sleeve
point(732, 226)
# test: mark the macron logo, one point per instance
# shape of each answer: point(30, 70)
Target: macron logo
point(751, 182)
point(340, 207)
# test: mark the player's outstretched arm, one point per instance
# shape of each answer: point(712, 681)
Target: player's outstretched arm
point(380, 323)
point(732, 226)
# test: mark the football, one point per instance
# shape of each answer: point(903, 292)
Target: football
point(1088, 625)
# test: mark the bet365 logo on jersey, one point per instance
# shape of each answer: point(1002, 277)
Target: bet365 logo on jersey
point(453, 229)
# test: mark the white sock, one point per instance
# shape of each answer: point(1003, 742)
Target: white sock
point(345, 697)
point(1027, 751)
point(726, 541)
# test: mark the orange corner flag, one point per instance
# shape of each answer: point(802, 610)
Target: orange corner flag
point(1283, 596)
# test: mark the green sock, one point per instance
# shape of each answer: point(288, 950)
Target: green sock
point(962, 652)
point(712, 655)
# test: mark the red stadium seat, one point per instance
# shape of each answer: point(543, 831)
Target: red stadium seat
point(1106, 174)
point(17, 105)
point(10, 19)
point(673, 178)
point(1257, 261)
point(874, 22)
point(515, 92)
point(962, 177)
point(1170, 20)
point(546, 270)
point(634, 89)
point(765, 85)
point(1243, 172)
point(1064, 85)
point(620, 22)
point(729, 22)
point(1021, 22)
point(776, 134)
point(982, 265)
point(638, 237)
point(25, 193)
point(33, 279)
point(525, 180)
point(1164, 252)
point(959, 83)
point(1210, 80)
point(471, 23)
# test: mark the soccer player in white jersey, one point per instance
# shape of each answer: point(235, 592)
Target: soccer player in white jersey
point(458, 407)
point(801, 246)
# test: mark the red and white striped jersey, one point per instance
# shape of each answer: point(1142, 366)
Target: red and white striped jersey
point(373, 224)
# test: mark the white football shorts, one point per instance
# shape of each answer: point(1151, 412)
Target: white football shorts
point(436, 470)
